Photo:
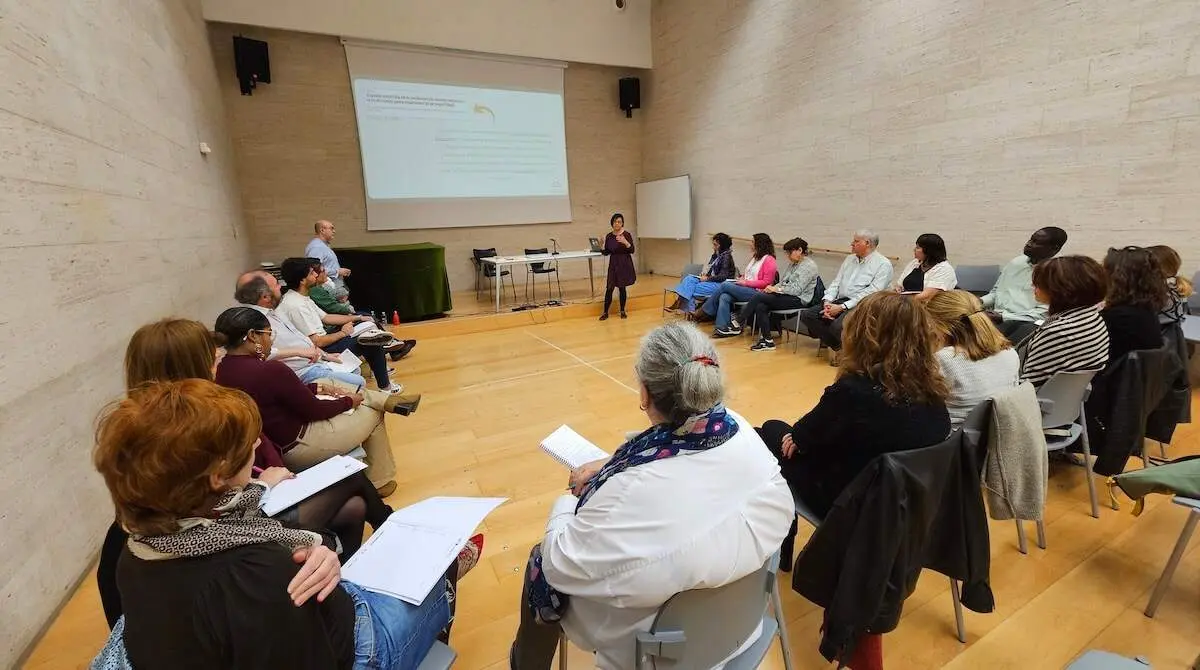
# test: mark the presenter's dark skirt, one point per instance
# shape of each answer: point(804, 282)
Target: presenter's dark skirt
point(621, 271)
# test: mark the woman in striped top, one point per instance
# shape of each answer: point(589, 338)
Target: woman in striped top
point(1073, 338)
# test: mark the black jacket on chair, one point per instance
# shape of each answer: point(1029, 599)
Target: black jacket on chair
point(1141, 395)
point(1176, 341)
point(908, 510)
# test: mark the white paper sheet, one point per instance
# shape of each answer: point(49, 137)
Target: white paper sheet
point(571, 449)
point(350, 363)
point(410, 553)
point(310, 482)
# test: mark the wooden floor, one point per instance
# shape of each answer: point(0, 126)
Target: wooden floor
point(491, 396)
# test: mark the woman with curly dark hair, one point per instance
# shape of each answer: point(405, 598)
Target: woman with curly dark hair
point(1136, 294)
point(889, 396)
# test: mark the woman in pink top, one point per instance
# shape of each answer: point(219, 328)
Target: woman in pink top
point(760, 273)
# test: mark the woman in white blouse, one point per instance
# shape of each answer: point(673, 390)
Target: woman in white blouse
point(977, 360)
point(929, 271)
point(694, 501)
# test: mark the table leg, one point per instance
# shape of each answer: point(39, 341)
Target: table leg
point(591, 277)
point(499, 285)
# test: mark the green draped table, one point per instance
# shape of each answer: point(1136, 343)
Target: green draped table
point(408, 278)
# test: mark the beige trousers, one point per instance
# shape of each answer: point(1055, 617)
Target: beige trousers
point(341, 434)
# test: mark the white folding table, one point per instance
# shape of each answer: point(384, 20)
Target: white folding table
point(498, 262)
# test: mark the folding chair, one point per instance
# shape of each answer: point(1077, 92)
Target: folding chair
point(977, 279)
point(1181, 544)
point(541, 268)
point(689, 269)
point(698, 629)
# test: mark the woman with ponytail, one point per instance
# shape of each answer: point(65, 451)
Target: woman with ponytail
point(976, 359)
point(1181, 289)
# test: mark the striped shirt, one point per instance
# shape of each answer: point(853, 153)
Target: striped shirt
point(1072, 341)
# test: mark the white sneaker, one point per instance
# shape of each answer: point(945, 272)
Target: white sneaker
point(393, 388)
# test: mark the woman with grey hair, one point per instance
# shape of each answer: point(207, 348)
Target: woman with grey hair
point(694, 501)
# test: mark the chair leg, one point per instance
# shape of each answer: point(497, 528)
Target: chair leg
point(777, 608)
point(1022, 545)
point(958, 612)
point(1168, 572)
point(527, 287)
point(562, 652)
point(1087, 465)
point(1041, 534)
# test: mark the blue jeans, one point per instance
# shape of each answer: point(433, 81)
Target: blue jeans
point(317, 371)
point(720, 304)
point(390, 634)
point(690, 287)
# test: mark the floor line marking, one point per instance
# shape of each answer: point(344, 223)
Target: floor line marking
point(593, 367)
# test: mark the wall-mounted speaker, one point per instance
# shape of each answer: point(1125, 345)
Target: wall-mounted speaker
point(630, 89)
point(252, 63)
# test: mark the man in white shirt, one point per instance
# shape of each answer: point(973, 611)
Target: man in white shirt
point(1010, 303)
point(260, 290)
point(319, 249)
point(865, 271)
point(296, 307)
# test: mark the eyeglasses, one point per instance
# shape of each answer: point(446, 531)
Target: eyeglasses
point(266, 331)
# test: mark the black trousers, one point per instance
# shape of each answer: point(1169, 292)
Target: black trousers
point(608, 297)
point(374, 357)
point(1015, 330)
point(772, 433)
point(106, 573)
point(827, 331)
point(535, 644)
point(761, 306)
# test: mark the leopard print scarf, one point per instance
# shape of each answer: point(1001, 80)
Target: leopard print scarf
point(238, 521)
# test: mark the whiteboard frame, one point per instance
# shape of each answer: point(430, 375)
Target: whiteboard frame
point(691, 219)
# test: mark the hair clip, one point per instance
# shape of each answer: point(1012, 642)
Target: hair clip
point(705, 360)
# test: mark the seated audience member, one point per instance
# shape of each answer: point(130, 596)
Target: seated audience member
point(322, 296)
point(889, 396)
point(1180, 288)
point(694, 501)
point(1073, 337)
point(207, 581)
point(318, 248)
point(260, 290)
point(298, 309)
point(720, 267)
point(306, 428)
point(795, 289)
point(976, 360)
point(177, 349)
point(1135, 298)
point(864, 272)
point(1011, 303)
point(929, 271)
point(760, 273)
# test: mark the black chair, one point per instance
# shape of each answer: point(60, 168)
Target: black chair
point(543, 268)
point(488, 271)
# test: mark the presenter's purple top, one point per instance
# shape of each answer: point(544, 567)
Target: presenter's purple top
point(620, 260)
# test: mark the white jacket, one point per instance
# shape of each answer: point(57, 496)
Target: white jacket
point(696, 520)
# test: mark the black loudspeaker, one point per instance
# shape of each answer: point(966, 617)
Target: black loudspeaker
point(631, 94)
point(252, 63)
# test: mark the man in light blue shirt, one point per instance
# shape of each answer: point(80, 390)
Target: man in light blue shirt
point(864, 272)
point(1010, 303)
point(319, 249)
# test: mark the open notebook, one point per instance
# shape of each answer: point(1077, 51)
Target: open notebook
point(407, 556)
point(571, 449)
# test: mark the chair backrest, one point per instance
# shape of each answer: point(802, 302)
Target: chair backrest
point(476, 254)
point(818, 293)
point(691, 269)
point(703, 627)
point(1062, 397)
point(1194, 299)
point(975, 426)
point(536, 266)
point(978, 279)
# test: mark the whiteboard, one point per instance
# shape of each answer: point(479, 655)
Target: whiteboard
point(664, 208)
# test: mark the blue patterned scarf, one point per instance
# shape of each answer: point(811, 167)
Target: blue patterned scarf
point(700, 432)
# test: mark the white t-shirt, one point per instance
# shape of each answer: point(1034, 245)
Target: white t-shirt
point(752, 268)
point(302, 312)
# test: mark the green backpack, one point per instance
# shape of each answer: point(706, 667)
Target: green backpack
point(1179, 477)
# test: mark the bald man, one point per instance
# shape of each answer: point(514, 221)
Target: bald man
point(319, 248)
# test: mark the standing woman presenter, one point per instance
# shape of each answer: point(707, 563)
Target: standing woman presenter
point(618, 246)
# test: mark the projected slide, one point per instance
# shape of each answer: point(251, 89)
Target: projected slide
point(433, 141)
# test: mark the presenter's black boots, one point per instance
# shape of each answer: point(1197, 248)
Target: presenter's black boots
point(624, 315)
point(604, 316)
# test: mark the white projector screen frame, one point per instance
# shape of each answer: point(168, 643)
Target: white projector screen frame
point(664, 208)
point(379, 68)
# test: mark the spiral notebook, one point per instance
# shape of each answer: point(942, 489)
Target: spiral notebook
point(571, 449)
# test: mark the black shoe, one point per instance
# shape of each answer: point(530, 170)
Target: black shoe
point(604, 316)
point(763, 345)
point(624, 315)
point(728, 331)
point(400, 349)
point(406, 405)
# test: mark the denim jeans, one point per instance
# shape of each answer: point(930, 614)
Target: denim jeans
point(317, 371)
point(720, 304)
point(690, 288)
point(390, 634)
